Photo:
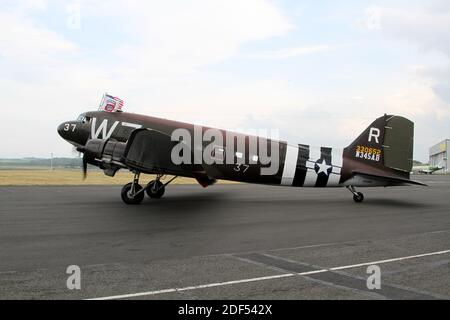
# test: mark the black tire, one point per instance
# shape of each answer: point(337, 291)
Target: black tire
point(155, 189)
point(127, 198)
point(358, 197)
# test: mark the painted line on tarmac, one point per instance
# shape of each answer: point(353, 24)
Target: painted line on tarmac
point(279, 276)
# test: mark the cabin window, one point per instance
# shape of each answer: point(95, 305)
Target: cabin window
point(218, 153)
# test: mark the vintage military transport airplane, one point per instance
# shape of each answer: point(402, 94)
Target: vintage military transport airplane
point(427, 169)
point(380, 156)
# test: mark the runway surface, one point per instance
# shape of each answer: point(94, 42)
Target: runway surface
point(226, 242)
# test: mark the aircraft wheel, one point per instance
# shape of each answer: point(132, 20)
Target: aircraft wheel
point(358, 197)
point(155, 189)
point(132, 199)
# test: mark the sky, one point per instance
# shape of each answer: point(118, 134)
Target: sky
point(317, 71)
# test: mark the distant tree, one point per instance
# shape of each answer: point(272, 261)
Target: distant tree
point(42, 162)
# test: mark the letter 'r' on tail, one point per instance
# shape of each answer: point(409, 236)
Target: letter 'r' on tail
point(386, 144)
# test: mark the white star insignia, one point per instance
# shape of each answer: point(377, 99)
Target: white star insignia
point(323, 167)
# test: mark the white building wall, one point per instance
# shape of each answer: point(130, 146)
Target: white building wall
point(439, 155)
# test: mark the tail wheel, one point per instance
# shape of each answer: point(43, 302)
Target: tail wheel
point(358, 197)
point(155, 189)
point(130, 197)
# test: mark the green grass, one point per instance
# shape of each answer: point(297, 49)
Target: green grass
point(46, 177)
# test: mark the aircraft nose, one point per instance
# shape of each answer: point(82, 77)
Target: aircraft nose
point(73, 132)
point(61, 130)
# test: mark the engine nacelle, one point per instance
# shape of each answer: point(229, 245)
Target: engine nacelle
point(105, 153)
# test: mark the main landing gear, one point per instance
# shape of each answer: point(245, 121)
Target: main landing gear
point(357, 196)
point(133, 193)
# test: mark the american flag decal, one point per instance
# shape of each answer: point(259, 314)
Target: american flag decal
point(111, 104)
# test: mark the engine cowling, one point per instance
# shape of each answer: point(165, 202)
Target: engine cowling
point(104, 153)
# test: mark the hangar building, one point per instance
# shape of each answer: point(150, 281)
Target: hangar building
point(439, 155)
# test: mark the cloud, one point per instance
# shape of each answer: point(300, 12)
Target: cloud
point(175, 59)
point(427, 95)
point(156, 38)
point(290, 52)
point(21, 40)
point(438, 77)
point(179, 37)
point(428, 28)
point(430, 31)
point(151, 53)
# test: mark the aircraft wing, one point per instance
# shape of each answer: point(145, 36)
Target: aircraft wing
point(150, 151)
point(391, 179)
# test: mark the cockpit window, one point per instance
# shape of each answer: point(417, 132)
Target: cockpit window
point(83, 118)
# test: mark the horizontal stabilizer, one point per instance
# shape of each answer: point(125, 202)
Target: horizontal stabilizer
point(390, 179)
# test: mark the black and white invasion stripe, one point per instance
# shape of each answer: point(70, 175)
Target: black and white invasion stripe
point(307, 166)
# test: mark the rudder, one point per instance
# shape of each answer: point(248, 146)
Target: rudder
point(399, 144)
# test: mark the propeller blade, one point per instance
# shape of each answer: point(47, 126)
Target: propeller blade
point(76, 152)
point(84, 167)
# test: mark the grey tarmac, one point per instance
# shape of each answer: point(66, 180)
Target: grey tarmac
point(225, 242)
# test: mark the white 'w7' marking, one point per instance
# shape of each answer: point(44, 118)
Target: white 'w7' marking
point(103, 129)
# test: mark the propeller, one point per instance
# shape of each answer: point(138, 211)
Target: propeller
point(85, 163)
point(84, 159)
point(75, 152)
point(91, 151)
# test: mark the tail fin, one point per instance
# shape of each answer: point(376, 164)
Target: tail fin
point(387, 144)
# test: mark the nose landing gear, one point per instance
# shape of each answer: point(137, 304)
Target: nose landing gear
point(358, 197)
